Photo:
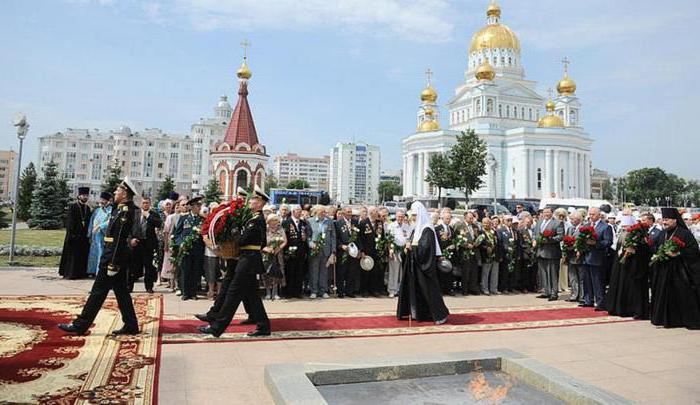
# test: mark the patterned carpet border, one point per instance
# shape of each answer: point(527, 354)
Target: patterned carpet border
point(176, 332)
point(41, 364)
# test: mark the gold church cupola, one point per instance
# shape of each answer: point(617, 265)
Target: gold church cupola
point(428, 118)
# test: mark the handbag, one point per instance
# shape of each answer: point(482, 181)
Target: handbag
point(273, 269)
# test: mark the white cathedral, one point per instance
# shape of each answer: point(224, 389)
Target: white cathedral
point(531, 153)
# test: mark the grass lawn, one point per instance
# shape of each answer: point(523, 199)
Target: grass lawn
point(34, 237)
point(32, 261)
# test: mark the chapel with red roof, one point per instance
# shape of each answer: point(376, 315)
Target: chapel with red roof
point(240, 159)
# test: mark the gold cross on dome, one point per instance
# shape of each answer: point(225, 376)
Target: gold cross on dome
point(245, 44)
point(566, 62)
point(429, 75)
point(549, 92)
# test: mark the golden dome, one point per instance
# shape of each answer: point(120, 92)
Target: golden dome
point(566, 86)
point(493, 10)
point(550, 106)
point(428, 126)
point(495, 34)
point(428, 95)
point(429, 112)
point(244, 72)
point(485, 71)
point(550, 121)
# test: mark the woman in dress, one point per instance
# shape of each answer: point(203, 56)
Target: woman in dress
point(165, 208)
point(96, 231)
point(273, 279)
point(420, 296)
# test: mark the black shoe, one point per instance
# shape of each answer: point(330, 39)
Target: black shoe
point(202, 317)
point(543, 296)
point(184, 298)
point(125, 331)
point(208, 330)
point(259, 332)
point(150, 291)
point(553, 298)
point(247, 322)
point(451, 293)
point(586, 305)
point(599, 309)
point(571, 300)
point(71, 328)
point(341, 295)
point(350, 295)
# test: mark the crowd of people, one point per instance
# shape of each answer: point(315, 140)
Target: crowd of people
point(591, 257)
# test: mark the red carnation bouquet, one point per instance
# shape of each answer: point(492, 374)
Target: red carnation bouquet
point(567, 245)
point(545, 236)
point(225, 222)
point(585, 234)
point(637, 234)
point(669, 249)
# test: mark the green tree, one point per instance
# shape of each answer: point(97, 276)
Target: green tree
point(166, 188)
point(653, 186)
point(270, 182)
point(388, 189)
point(49, 200)
point(114, 177)
point(468, 158)
point(212, 193)
point(298, 184)
point(607, 190)
point(27, 183)
point(440, 173)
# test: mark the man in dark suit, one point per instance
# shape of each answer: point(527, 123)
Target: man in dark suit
point(144, 245)
point(297, 232)
point(574, 262)
point(445, 234)
point(549, 253)
point(370, 228)
point(508, 237)
point(594, 261)
point(348, 267)
point(113, 273)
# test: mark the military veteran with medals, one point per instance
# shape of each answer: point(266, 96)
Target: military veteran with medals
point(113, 273)
point(187, 236)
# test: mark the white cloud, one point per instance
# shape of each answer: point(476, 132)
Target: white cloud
point(425, 21)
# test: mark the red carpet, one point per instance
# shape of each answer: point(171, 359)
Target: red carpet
point(41, 364)
point(290, 327)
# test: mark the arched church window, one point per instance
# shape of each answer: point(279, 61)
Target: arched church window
point(478, 106)
point(522, 112)
point(530, 114)
point(500, 110)
point(561, 113)
point(495, 60)
point(489, 106)
point(510, 61)
point(561, 179)
point(572, 117)
point(503, 60)
point(539, 179)
point(242, 179)
point(508, 111)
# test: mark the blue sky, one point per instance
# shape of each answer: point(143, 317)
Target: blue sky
point(326, 71)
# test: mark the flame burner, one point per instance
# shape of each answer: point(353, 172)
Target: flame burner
point(498, 376)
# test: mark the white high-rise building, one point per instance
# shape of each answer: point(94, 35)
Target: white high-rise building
point(354, 173)
point(147, 157)
point(294, 167)
point(206, 133)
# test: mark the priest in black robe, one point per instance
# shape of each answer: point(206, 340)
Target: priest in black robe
point(676, 295)
point(76, 245)
point(628, 293)
point(420, 296)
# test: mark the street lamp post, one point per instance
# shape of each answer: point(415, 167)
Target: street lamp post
point(20, 121)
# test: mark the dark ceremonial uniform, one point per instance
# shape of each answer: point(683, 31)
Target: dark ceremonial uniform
point(371, 282)
point(144, 252)
point(297, 235)
point(445, 234)
point(348, 268)
point(191, 266)
point(244, 284)
point(76, 245)
point(116, 256)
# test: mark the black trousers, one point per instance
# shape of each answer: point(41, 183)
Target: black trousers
point(191, 270)
point(343, 285)
point(446, 280)
point(294, 274)
point(225, 284)
point(470, 276)
point(377, 276)
point(243, 286)
point(100, 288)
point(142, 260)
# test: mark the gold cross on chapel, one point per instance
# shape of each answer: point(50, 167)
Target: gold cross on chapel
point(429, 75)
point(566, 62)
point(245, 44)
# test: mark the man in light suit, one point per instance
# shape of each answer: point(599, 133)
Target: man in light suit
point(322, 247)
point(594, 261)
point(549, 253)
